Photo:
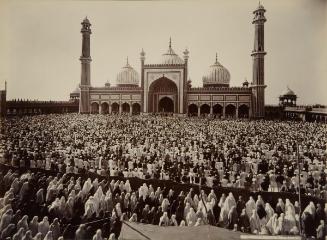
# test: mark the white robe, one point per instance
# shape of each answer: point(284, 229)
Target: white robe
point(249, 207)
point(255, 222)
point(272, 225)
point(228, 204)
point(89, 208)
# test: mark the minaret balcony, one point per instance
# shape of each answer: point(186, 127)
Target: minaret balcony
point(254, 52)
point(85, 59)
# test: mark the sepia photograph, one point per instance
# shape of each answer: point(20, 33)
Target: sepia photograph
point(163, 119)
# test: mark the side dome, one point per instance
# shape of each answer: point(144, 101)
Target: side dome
point(170, 57)
point(77, 90)
point(75, 94)
point(218, 76)
point(127, 77)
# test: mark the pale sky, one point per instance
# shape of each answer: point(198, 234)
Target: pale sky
point(40, 43)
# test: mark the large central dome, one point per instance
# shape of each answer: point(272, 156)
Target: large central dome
point(218, 76)
point(128, 76)
point(170, 57)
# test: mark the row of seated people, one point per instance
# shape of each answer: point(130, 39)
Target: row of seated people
point(73, 207)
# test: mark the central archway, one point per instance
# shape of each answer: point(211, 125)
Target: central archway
point(166, 105)
point(163, 96)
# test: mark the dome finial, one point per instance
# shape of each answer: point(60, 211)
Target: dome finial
point(127, 60)
point(186, 52)
point(86, 20)
point(169, 42)
point(260, 6)
point(216, 58)
point(142, 53)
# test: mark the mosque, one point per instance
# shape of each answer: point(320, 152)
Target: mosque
point(164, 87)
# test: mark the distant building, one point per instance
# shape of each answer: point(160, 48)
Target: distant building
point(3, 101)
point(313, 113)
point(33, 107)
point(288, 109)
point(288, 98)
point(165, 87)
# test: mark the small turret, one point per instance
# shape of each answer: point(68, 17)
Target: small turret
point(246, 83)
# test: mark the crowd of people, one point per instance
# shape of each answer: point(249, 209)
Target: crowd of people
point(67, 206)
point(252, 155)
point(256, 155)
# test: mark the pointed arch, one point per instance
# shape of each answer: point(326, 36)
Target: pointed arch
point(104, 108)
point(136, 108)
point(115, 108)
point(205, 109)
point(230, 111)
point(125, 107)
point(94, 107)
point(193, 110)
point(243, 111)
point(217, 110)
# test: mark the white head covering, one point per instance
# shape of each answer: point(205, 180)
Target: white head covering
point(311, 209)
point(281, 204)
point(112, 237)
point(269, 210)
point(227, 206)
point(44, 226)
point(289, 207)
point(290, 221)
point(250, 206)
point(98, 235)
point(255, 222)
point(272, 224)
point(48, 236)
point(191, 217)
point(127, 186)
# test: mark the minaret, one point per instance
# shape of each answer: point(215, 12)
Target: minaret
point(142, 57)
point(258, 82)
point(84, 102)
point(186, 57)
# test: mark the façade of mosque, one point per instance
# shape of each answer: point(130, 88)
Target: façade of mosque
point(165, 87)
